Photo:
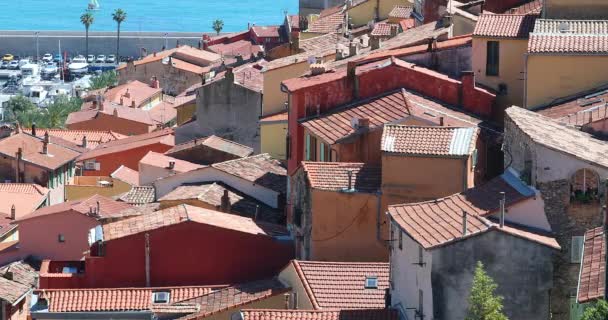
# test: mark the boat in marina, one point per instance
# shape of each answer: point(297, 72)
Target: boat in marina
point(93, 5)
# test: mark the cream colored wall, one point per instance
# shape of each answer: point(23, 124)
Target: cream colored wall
point(185, 113)
point(86, 187)
point(552, 77)
point(272, 136)
point(289, 277)
point(510, 70)
point(274, 99)
point(362, 14)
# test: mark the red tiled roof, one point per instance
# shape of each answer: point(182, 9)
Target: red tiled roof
point(243, 48)
point(126, 174)
point(12, 291)
point(532, 7)
point(330, 11)
point(115, 299)
point(281, 116)
point(433, 141)
point(160, 160)
point(235, 296)
point(213, 142)
point(569, 37)
point(382, 30)
point(366, 314)
point(331, 23)
point(407, 24)
point(23, 271)
point(333, 176)
point(186, 213)
point(189, 67)
point(580, 109)
point(94, 137)
point(25, 197)
point(31, 147)
point(505, 25)
point(260, 169)
point(127, 113)
point(592, 282)
point(323, 42)
point(107, 206)
point(134, 91)
point(164, 136)
point(341, 285)
point(266, 31)
point(250, 76)
point(401, 11)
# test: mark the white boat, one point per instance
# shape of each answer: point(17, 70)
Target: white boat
point(78, 68)
point(37, 94)
point(93, 5)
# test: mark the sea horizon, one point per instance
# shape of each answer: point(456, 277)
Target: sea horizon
point(146, 16)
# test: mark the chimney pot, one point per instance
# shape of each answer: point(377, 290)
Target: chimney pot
point(441, 121)
point(350, 179)
point(98, 208)
point(225, 202)
point(132, 103)
point(171, 165)
point(464, 223)
point(84, 141)
point(13, 212)
point(34, 129)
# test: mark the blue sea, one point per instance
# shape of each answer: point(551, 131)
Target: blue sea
point(145, 15)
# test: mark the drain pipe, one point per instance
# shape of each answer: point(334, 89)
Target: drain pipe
point(147, 260)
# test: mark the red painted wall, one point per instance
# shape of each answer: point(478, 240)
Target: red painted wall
point(208, 41)
point(500, 6)
point(184, 254)
point(129, 158)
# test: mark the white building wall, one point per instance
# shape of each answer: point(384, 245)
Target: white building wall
point(529, 213)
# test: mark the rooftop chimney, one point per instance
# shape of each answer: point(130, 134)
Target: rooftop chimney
point(256, 216)
point(394, 30)
point(225, 202)
point(122, 101)
point(84, 141)
point(45, 143)
point(98, 208)
point(464, 223)
point(171, 165)
point(229, 74)
point(350, 179)
point(502, 209)
point(441, 121)
point(287, 296)
point(127, 94)
point(363, 123)
point(115, 112)
point(18, 157)
point(34, 129)
point(364, 41)
point(132, 103)
point(375, 43)
point(13, 210)
point(353, 48)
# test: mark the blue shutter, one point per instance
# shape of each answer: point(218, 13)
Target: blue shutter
point(322, 149)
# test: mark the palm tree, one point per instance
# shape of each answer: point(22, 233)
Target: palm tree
point(87, 20)
point(218, 25)
point(119, 16)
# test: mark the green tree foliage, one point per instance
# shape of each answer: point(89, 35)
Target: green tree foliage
point(484, 304)
point(87, 20)
point(218, 25)
point(119, 16)
point(21, 110)
point(599, 311)
point(16, 106)
point(106, 79)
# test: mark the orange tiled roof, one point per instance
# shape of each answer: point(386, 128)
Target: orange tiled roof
point(331, 23)
point(365, 314)
point(124, 112)
point(579, 109)
point(243, 48)
point(134, 91)
point(186, 213)
point(266, 31)
point(341, 285)
point(592, 281)
point(401, 11)
point(235, 296)
point(115, 299)
point(505, 25)
point(569, 37)
point(126, 174)
point(333, 176)
point(12, 291)
point(323, 42)
point(25, 197)
point(260, 169)
point(382, 30)
point(94, 137)
point(31, 147)
point(429, 141)
point(164, 136)
point(160, 160)
point(216, 143)
point(107, 206)
point(189, 67)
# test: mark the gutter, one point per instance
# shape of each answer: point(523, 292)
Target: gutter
point(94, 315)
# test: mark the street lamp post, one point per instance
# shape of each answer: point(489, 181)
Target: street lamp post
point(37, 47)
point(166, 41)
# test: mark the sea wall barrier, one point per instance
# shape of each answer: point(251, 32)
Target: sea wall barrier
point(132, 44)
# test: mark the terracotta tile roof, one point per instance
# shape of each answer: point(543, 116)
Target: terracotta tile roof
point(366, 314)
point(32, 151)
point(569, 37)
point(333, 176)
point(139, 195)
point(341, 285)
point(382, 30)
point(127, 113)
point(25, 197)
point(440, 222)
point(12, 291)
point(211, 193)
point(298, 58)
point(94, 137)
point(115, 299)
point(164, 136)
point(250, 75)
point(236, 296)
point(407, 24)
point(126, 174)
point(331, 23)
point(188, 67)
point(213, 142)
point(294, 21)
point(185, 213)
point(108, 208)
point(401, 11)
point(134, 91)
point(243, 48)
point(429, 141)
point(195, 56)
point(331, 10)
point(532, 7)
point(266, 31)
point(323, 42)
point(559, 137)
point(260, 169)
point(160, 160)
point(579, 109)
point(277, 117)
point(516, 26)
point(165, 112)
point(24, 272)
point(592, 281)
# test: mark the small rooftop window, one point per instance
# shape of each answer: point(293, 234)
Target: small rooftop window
point(160, 297)
point(371, 283)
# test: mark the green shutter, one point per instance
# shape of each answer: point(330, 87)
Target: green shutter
point(322, 158)
point(307, 147)
point(51, 177)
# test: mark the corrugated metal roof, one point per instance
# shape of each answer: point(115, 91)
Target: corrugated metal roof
point(461, 141)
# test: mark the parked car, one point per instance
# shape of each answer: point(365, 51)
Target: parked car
point(79, 59)
point(91, 58)
point(8, 57)
point(4, 64)
point(101, 58)
point(49, 71)
point(111, 59)
point(13, 65)
point(47, 57)
point(58, 58)
point(23, 62)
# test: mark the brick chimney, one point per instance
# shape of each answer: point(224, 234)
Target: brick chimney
point(376, 43)
point(13, 214)
point(132, 103)
point(363, 123)
point(127, 94)
point(229, 74)
point(45, 143)
point(473, 99)
point(34, 129)
point(84, 141)
point(18, 157)
point(225, 202)
point(171, 165)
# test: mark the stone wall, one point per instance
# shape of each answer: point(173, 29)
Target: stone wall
point(301, 204)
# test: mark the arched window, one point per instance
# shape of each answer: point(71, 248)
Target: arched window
point(584, 186)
